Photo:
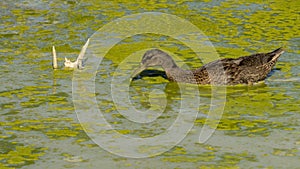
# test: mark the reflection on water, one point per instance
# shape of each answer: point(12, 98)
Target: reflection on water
point(38, 126)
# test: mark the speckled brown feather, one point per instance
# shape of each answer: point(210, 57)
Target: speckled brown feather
point(228, 71)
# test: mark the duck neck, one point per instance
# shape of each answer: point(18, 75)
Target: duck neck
point(173, 72)
point(169, 64)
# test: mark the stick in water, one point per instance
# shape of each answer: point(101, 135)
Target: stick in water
point(54, 60)
point(79, 61)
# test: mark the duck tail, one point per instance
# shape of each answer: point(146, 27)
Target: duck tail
point(276, 53)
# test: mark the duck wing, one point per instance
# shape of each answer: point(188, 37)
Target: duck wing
point(260, 59)
point(253, 68)
point(246, 69)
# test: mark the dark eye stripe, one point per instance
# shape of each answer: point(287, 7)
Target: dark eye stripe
point(150, 57)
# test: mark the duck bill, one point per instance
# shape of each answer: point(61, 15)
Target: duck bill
point(138, 70)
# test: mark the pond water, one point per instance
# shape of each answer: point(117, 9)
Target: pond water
point(39, 127)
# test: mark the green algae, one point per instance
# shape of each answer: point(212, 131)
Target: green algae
point(20, 156)
point(50, 126)
point(237, 28)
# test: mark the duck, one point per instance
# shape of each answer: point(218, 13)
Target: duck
point(227, 71)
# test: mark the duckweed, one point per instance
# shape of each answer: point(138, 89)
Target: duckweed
point(36, 100)
point(21, 155)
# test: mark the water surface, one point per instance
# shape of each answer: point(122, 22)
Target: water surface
point(38, 124)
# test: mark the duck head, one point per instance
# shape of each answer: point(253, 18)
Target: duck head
point(154, 57)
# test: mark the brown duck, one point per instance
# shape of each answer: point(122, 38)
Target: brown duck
point(228, 71)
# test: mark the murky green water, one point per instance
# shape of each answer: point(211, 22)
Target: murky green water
point(38, 124)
